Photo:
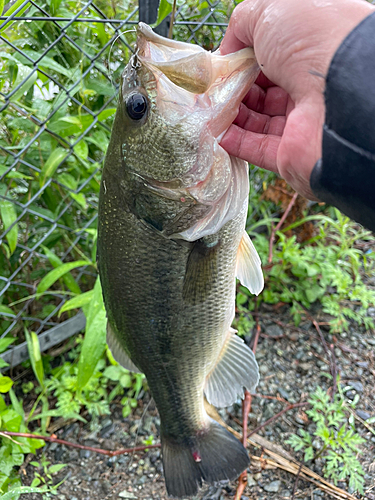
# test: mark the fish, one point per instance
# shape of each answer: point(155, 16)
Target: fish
point(171, 241)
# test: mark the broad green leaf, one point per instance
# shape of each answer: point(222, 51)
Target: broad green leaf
point(81, 149)
point(112, 372)
point(101, 88)
point(65, 128)
point(16, 404)
point(3, 405)
point(5, 384)
point(35, 356)
point(56, 262)
point(100, 30)
point(70, 182)
point(6, 310)
point(57, 273)
point(56, 468)
point(106, 113)
point(165, 8)
point(49, 168)
point(100, 139)
point(1, 7)
point(13, 174)
point(72, 119)
point(9, 216)
point(51, 65)
point(22, 490)
point(55, 413)
point(10, 11)
point(35, 482)
point(94, 342)
point(5, 342)
point(26, 75)
point(77, 302)
point(3, 363)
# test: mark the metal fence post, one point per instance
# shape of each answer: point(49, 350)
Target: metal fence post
point(148, 13)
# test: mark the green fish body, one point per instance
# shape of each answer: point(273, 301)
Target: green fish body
point(171, 242)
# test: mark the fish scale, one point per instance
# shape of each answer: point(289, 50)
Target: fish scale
point(170, 246)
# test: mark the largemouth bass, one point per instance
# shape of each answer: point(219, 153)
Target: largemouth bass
point(171, 242)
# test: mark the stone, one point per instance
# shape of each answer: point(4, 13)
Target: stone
point(285, 494)
point(126, 494)
point(364, 415)
point(272, 487)
point(250, 480)
point(263, 369)
point(274, 330)
point(59, 452)
point(84, 453)
point(142, 480)
point(106, 487)
point(294, 336)
point(107, 431)
point(362, 364)
point(350, 395)
point(299, 420)
point(357, 386)
point(304, 367)
point(283, 393)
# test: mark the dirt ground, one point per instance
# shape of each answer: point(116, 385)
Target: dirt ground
point(292, 363)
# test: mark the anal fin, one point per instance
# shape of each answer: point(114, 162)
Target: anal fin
point(249, 266)
point(118, 352)
point(235, 369)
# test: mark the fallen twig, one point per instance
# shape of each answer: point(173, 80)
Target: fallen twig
point(246, 405)
point(275, 417)
point(279, 224)
point(329, 351)
point(296, 481)
point(277, 398)
point(357, 417)
point(54, 439)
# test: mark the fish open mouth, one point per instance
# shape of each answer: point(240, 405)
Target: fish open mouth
point(220, 81)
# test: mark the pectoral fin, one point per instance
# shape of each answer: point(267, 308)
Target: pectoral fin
point(201, 270)
point(235, 369)
point(118, 351)
point(249, 266)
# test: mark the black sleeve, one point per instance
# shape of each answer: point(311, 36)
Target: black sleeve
point(345, 176)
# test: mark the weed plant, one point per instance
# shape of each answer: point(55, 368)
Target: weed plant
point(334, 439)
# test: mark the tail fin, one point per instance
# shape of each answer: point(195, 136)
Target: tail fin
point(213, 455)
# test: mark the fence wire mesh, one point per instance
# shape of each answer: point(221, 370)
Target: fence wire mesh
point(59, 67)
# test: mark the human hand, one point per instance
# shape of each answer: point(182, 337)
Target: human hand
point(279, 125)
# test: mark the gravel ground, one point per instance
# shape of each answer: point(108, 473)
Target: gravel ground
point(292, 364)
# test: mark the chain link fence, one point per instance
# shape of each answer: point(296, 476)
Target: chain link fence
point(59, 67)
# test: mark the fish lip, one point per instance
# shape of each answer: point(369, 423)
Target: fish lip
point(145, 32)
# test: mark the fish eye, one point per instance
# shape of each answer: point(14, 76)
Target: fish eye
point(136, 106)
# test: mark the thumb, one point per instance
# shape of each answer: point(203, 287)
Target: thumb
point(301, 145)
point(239, 33)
